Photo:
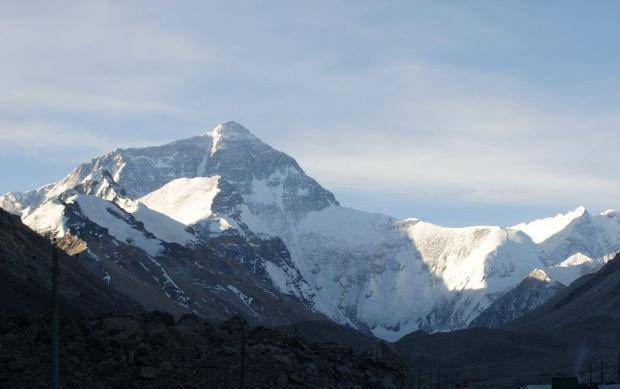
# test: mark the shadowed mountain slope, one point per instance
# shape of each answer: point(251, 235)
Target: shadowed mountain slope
point(533, 291)
point(25, 276)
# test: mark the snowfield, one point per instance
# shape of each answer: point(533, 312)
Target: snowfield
point(186, 200)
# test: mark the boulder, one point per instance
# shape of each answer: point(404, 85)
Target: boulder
point(149, 373)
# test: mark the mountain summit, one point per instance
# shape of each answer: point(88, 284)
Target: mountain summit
point(542, 229)
point(224, 224)
point(231, 129)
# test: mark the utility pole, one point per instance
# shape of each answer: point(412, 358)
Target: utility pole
point(602, 373)
point(204, 356)
point(336, 381)
point(590, 371)
point(242, 373)
point(419, 378)
point(377, 362)
point(456, 375)
point(55, 321)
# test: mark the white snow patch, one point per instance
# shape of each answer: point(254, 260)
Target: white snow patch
point(160, 225)
point(278, 276)
point(186, 200)
point(575, 260)
point(48, 218)
point(98, 211)
point(245, 299)
point(283, 279)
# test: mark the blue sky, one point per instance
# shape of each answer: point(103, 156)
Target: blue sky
point(470, 112)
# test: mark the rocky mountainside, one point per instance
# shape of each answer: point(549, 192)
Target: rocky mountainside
point(155, 351)
point(223, 224)
point(587, 300)
point(26, 276)
point(532, 292)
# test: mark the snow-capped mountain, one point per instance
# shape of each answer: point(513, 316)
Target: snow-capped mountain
point(591, 304)
point(536, 289)
point(575, 243)
point(228, 194)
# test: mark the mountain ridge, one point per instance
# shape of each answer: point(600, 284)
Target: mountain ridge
point(369, 271)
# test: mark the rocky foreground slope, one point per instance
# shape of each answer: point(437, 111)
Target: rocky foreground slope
point(155, 351)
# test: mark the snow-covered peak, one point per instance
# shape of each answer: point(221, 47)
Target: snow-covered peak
point(539, 274)
point(186, 200)
point(231, 128)
point(611, 213)
point(542, 229)
point(576, 259)
point(226, 131)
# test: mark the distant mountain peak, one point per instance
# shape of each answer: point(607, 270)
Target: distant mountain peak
point(231, 129)
point(226, 131)
point(542, 229)
point(578, 212)
point(610, 213)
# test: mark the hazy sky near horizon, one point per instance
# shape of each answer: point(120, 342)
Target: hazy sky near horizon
point(460, 113)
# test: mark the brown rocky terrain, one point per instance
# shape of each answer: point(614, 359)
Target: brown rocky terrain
point(155, 351)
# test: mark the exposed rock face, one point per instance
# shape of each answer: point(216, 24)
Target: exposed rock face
point(531, 293)
point(154, 351)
